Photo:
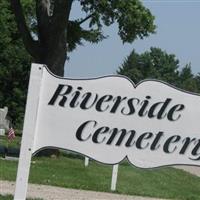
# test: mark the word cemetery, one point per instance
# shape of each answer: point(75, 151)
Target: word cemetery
point(66, 96)
point(109, 119)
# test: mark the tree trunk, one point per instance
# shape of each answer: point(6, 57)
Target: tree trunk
point(54, 56)
point(52, 20)
point(52, 34)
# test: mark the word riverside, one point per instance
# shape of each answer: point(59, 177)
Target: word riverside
point(66, 95)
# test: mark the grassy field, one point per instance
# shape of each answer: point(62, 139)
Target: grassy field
point(71, 173)
point(9, 197)
point(13, 143)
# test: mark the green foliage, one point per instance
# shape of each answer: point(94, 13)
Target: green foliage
point(157, 64)
point(14, 67)
point(187, 80)
point(10, 143)
point(197, 80)
point(76, 34)
point(133, 19)
point(10, 197)
point(6, 197)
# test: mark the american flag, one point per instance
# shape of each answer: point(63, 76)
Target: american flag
point(11, 134)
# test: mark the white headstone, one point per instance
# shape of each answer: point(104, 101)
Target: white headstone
point(4, 123)
point(2, 132)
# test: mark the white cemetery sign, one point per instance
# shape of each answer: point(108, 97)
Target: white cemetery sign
point(108, 119)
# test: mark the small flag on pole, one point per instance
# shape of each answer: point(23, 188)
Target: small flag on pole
point(11, 134)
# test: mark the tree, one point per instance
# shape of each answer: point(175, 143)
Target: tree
point(14, 66)
point(197, 79)
point(55, 34)
point(157, 64)
point(188, 81)
point(154, 64)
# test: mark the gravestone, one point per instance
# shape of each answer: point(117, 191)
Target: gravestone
point(4, 123)
point(2, 132)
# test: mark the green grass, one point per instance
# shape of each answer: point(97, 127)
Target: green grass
point(6, 197)
point(10, 197)
point(13, 143)
point(71, 173)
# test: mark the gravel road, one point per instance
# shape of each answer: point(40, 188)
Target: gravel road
point(190, 169)
point(57, 193)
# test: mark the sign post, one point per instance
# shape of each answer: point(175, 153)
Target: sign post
point(86, 161)
point(114, 177)
point(28, 132)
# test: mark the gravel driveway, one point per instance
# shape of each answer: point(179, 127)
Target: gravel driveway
point(56, 193)
point(190, 169)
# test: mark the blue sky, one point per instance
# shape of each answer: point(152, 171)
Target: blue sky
point(178, 32)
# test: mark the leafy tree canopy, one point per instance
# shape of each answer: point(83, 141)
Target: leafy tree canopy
point(54, 33)
point(158, 64)
point(187, 80)
point(14, 66)
point(134, 20)
point(45, 29)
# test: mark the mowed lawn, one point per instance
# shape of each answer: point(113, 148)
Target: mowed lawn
point(13, 143)
point(9, 197)
point(71, 173)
